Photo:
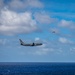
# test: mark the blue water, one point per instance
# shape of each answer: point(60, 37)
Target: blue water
point(37, 68)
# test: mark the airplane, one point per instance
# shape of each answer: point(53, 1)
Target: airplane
point(32, 44)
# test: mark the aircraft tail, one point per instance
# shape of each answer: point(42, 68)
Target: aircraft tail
point(21, 42)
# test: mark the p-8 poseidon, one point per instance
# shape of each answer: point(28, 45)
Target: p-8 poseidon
point(32, 44)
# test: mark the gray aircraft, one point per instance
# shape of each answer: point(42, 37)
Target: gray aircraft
point(32, 44)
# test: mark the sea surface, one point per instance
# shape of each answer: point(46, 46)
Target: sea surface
point(35, 68)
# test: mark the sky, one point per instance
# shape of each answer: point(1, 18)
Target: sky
point(51, 22)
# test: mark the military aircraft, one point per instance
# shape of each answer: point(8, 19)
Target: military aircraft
point(32, 44)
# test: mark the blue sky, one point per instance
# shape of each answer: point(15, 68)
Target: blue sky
point(34, 21)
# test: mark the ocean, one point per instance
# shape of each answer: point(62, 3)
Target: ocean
point(37, 68)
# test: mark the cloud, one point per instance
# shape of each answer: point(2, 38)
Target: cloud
point(35, 3)
point(1, 4)
point(13, 23)
point(65, 23)
point(72, 49)
point(3, 41)
point(22, 4)
point(43, 18)
point(37, 38)
point(42, 51)
point(64, 40)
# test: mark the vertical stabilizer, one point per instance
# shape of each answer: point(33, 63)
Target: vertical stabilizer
point(21, 42)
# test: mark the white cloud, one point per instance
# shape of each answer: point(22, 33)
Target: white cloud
point(59, 51)
point(43, 18)
point(65, 23)
point(3, 41)
point(22, 4)
point(42, 51)
point(14, 23)
point(42, 46)
point(72, 49)
point(64, 40)
point(37, 39)
point(35, 3)
point(1, 4)
point(16, 4)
